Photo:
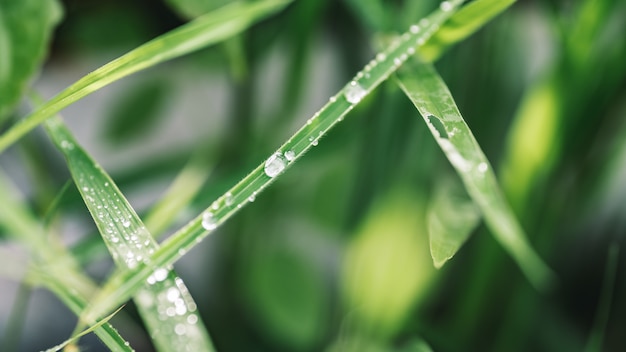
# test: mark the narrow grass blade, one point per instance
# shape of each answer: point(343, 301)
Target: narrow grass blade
point(83, 333)
point(204, 31)
point(179, 194)
point(604, 305)
point(452, 216)
point(61, 273)
point(430, 95)
point(122, 284)
point(461, 25)
point(164, 302)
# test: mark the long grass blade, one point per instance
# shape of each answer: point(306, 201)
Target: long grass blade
point(164, 302)
point(199, 33)
point(461, 25)
point(430, 95)
point(122, 284)
point(75, 337)
point(56, 269)
point(178, 195)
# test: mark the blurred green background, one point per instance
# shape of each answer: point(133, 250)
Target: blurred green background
point(335, 255)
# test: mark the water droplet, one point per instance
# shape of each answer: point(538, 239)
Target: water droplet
point(274, 165)
point(208, 221)
point(314, 141)
point(160, 274)
point(414, 29)
point(252, 198)
point(397, 61)
point(181, 309)
point(445, 6)
point(229, 199)
point(192, 319)
point(424, 22)
point(290, 155)
point(381, 56)
point(67, 145)
point(354, 92)
point(483, 167)
point(173, 294)
point(126, 223)
point(215, 206)
point(180, 329)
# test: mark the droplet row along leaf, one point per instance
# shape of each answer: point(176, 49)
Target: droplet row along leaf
point(121, 284)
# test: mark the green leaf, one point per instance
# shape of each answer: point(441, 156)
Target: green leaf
point(164, 301)
point(180, 193)
point(25, 29)
point(56, 268)
point(461, 25)
point(430, 95)
point(75, 337)
point(195, 8)
point(122, 284)
point(452, 216)
point(203, 31)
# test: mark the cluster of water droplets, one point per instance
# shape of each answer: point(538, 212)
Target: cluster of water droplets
point(128, 246)
point(177, 318)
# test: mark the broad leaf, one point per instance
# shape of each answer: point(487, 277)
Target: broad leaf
point(25, 30)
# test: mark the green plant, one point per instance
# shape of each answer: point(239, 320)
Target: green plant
point(285, 282)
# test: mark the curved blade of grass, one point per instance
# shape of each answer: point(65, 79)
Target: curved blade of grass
point(199, 33)
point(122, 284)
point(83, 333)
point(164, 301)
point(178, 195)
point(430, 95)
point(61, 273)
point(461, 25)
point(452, 216)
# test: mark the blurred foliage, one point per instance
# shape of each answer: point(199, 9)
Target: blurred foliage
point(334, 256)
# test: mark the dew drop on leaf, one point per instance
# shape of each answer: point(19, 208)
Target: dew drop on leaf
point(354, 92)
point(274, 165)
point(208, 221)
point(445, 6)
point(290, 155)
